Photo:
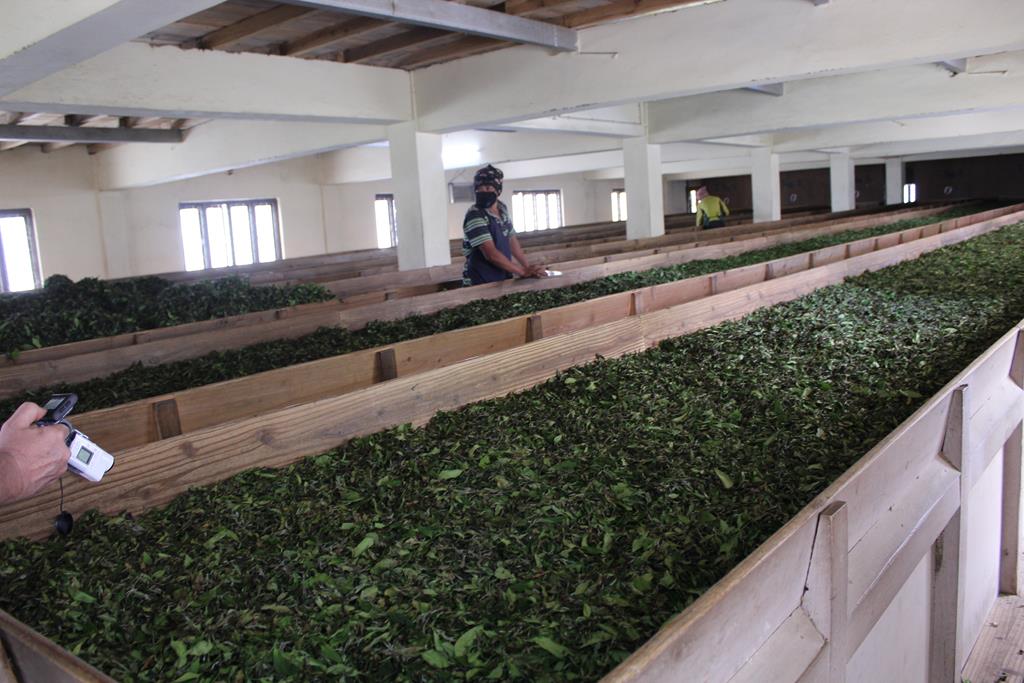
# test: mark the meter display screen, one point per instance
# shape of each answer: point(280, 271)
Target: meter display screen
point(53, 403)
point(84, 454)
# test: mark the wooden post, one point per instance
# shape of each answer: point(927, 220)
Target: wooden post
point(168, 422)
point(386, 365)
point(534, 328)
point(946, 659)
point(825, 598)
point(638, 302)
point(1011, 566)
point(769, 271)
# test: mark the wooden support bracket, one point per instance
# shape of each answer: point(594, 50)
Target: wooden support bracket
point(947, 655)
point(825, 595)
point(1011, 556)
point(7, 672)
point(638, 302)
point(386, 365)
point(534, 328)
point(168, 422)
point(1017, 364)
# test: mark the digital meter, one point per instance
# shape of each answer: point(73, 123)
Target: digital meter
point(87, 459)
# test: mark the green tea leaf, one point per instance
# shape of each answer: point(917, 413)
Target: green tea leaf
point(436, 659)
point(551, 646)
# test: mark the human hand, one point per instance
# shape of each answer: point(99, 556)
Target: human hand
point(30, 457)
point(538, 271)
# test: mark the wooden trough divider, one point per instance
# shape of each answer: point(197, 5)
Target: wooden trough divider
point(151, 475)
point(136, 423)
point(80, 361)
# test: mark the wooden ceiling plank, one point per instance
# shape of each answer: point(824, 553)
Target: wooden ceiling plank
point(619, 9)
point(393, 43)
point(463, 47)
point(527, 6)
point(330, 35)
point(233, 33)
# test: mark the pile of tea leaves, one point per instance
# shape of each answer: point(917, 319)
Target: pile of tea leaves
point(64, 311)
point(541, 536)
point(138, 381)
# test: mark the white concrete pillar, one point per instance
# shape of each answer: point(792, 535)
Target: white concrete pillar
point(421, 197)
point(764, 185)
point(894, 181)
point(841, 177)
point(645, 203)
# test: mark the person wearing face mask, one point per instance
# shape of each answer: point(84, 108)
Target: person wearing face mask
point(489, 242)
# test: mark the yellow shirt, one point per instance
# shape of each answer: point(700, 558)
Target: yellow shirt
point(710, 208)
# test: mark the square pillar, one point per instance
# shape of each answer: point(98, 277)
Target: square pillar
point(894, 181)
point(841, 177)
point(421, 197)
point(765, 186)
point(645, 203)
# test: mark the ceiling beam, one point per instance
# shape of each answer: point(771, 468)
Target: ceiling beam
point(331, 35)
point(391, 44)
point(207, 84)
point(773, 89)
point(919, 90)
point(616, 66)
point(88, 135)
point(42, 37)
point(623, 8)
point(229, 35)
point(450, 16)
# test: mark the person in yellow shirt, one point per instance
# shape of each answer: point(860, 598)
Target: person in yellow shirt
point(711, 211)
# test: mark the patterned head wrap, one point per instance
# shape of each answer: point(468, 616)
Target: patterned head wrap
point(488, 175)
point(702, 192)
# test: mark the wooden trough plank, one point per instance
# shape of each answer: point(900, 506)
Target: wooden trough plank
point(786, 655)
point(39, 659)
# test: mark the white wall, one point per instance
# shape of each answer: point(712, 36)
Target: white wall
point(58, 188)
point(85, 232)
point(152, 212)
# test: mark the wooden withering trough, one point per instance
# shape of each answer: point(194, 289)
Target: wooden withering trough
point(933, 510)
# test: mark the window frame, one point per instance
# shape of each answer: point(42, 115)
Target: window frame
point(618, 196)
point(33, 248)
point(545, 193)
point(392, 216)
point(250, 205)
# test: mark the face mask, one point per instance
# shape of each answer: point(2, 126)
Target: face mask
point(485, 200)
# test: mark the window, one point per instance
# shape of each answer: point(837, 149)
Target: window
point(536, 210)
point(618, 205)
point(910, 193)
point(693, 201)
point(222, 234)
point(19, 256)
point(387, 221)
